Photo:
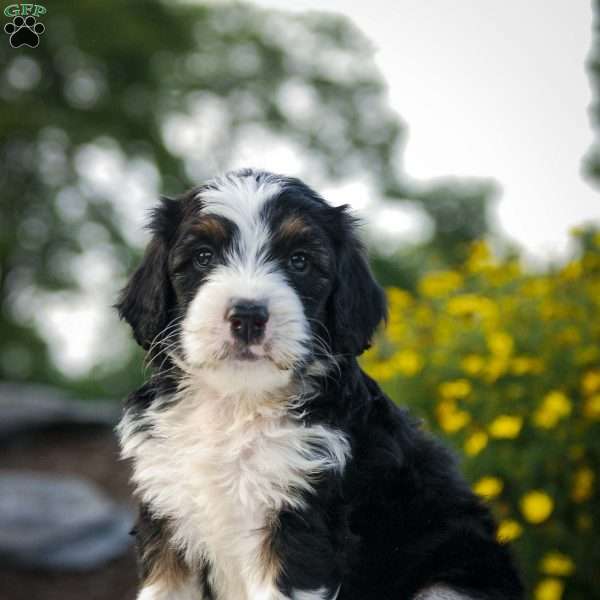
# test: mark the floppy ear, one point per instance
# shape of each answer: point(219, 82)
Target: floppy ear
point(357, 304)
point(146, 300)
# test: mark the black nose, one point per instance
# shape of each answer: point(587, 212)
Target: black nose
point(248, 320)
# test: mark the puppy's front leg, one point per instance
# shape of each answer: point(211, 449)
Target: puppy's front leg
point(164, 575)
point(311, 546)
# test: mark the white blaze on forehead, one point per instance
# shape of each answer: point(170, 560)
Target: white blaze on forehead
point(240, 199)
point(245, 273)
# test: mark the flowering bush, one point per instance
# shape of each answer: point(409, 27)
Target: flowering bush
point(506, 365)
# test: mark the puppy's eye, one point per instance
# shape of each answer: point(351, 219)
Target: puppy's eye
point(299, 262)
point(203, 258)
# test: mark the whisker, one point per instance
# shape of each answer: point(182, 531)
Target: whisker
point(168, 343)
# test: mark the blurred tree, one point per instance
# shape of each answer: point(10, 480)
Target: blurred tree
point(123, 100)
point(459, 212)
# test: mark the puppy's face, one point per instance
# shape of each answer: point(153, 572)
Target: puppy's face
point(250, 280)
point(252, 270)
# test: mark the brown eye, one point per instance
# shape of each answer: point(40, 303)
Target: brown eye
point(203, 258)
point(299, 262)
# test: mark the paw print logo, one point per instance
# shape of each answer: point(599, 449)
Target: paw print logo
point(24, 32)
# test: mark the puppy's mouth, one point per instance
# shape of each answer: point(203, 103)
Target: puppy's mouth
point(245, 354)
point(242, 352)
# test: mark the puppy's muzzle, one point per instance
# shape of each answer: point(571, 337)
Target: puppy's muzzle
point(247, 320)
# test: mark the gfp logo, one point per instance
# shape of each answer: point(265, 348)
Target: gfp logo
point(25, 29)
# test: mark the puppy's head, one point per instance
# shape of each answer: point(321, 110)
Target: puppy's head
point(250, 280)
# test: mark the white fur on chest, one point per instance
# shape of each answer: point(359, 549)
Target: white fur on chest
point(220, 469)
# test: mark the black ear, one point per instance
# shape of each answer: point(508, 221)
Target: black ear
point(357, 304)
point(145, 302)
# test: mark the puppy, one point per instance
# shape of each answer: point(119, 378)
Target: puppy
point(267, 464)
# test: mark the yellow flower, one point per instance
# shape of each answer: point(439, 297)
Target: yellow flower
point(407, 362)
point(495, 368)
point(480, 257)
point(398, 298)
point(549, 589)
point(382, 371)
point(536, 287)
point(521, 365)
point(536, 506)
point(472, 364)
point(558, 403)
point(451, 418)
point(583, 484)
point(459, 388)
point(500, 344)
point(440, 283)
point(508, 530)
point(590, 382)
point(591, 407)
point(572, 271)
point(554, 407)
point(424, 315)
point(499, 275)
point(466, 305)
point(475, 443)
point(555, 563)
point(396, 330)
point(456, 421)
point(488, 487)
point(545, 419)
point(506, 426)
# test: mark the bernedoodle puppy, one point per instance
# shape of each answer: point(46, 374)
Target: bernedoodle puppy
point(267, 464)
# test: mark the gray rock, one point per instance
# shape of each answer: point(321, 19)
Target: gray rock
point(27, 407)
point(59, 523)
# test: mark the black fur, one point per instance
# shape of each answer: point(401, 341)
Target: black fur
point(357, 304)
point(146, 300)
point(400, 518)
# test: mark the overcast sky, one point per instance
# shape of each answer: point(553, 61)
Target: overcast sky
point(493, 89)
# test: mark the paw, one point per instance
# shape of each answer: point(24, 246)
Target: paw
point(322, 593)
point(155, 591)
point(24, 32)
point(440, 592)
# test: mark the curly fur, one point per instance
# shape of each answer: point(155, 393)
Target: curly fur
point(275, 469)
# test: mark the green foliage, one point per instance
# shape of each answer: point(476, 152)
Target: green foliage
point(505, 364)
